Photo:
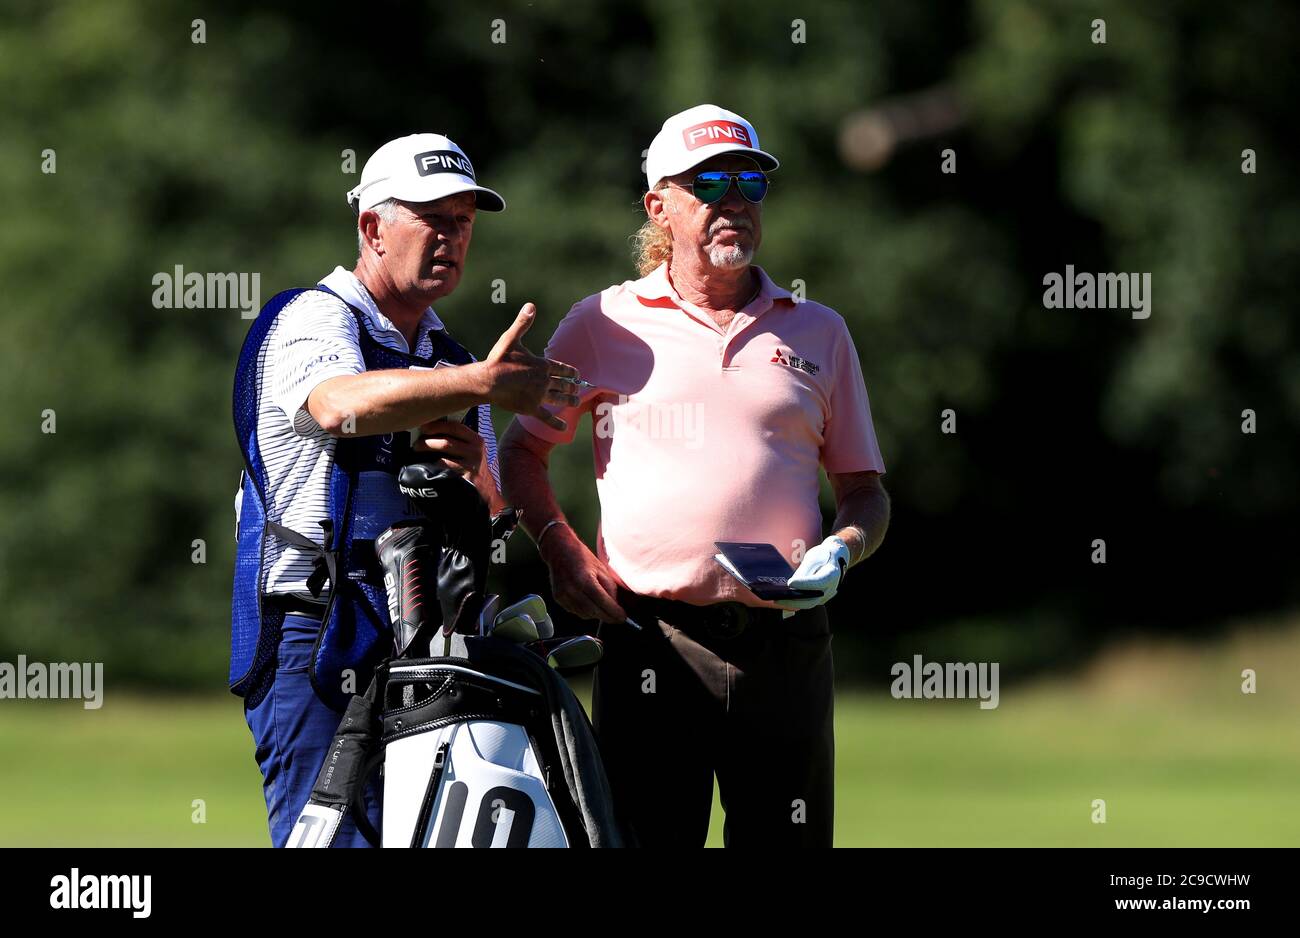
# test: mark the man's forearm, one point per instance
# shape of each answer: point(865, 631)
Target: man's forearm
point(526, 482)
point(861, 521)
point(390, 400)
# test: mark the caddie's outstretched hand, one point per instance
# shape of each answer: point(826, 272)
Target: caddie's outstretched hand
point(522, 382)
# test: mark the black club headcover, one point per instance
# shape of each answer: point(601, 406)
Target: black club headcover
point(458, 519)
point(408, 554)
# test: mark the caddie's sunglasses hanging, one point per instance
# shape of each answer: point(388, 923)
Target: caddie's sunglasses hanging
point(712, 186)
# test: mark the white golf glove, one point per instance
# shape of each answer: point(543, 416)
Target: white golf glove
point(822, 569)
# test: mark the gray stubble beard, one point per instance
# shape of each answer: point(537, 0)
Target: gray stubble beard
point(730, 256)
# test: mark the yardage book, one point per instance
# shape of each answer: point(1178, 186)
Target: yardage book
point(761, 568)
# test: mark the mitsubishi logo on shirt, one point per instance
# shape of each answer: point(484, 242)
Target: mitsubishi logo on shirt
point(783, 356)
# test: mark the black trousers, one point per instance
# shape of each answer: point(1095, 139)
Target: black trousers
point(678, 703)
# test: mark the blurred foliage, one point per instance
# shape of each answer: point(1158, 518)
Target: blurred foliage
point(1072, 424)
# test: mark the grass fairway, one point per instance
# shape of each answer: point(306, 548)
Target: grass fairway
point(1162, 733)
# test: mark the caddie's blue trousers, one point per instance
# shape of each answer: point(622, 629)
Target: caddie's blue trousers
point(293, 729)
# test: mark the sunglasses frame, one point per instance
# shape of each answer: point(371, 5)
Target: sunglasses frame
point(733, 178)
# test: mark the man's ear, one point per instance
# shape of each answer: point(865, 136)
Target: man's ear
point(368, 225)
point(656, 206)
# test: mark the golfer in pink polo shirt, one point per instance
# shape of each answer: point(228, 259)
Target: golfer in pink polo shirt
point(717, 399)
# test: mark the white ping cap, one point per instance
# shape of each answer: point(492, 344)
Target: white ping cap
point(419, 168)
point(691, 137)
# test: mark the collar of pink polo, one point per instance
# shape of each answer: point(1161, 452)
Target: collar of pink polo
point(655, 289)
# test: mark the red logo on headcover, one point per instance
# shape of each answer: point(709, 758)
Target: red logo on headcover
point(701, 135)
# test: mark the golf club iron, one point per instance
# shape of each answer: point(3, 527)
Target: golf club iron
point(572, 653)
point(519, 629)
point(487, 617)
point(534, 607)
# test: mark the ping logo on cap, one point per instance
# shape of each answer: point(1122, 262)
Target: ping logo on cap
point(443, 161)
point(701, 135)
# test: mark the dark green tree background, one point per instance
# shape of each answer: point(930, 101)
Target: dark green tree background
point(227, 155)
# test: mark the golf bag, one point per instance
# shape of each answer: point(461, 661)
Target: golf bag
point(479, 742)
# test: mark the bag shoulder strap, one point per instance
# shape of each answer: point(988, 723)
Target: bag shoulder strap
point(353, 756)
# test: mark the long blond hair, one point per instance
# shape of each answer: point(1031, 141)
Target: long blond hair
point(652, 245)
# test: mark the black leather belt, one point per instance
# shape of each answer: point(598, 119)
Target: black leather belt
point(718, 620)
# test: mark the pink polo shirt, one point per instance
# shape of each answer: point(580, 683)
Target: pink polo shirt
point(704, 434)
